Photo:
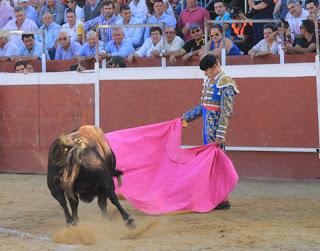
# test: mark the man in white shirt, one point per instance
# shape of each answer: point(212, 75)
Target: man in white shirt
point(72, 4)
point(20, 22)
point(172, 43)
point(295, 16)
point(72, 26)
point(139, 9)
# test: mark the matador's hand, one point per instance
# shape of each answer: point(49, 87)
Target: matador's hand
point(219, 140)
point(184, 123)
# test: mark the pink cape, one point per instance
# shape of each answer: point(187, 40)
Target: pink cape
point(161, 177)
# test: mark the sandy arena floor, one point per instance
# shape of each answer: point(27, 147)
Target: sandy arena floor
point(265, 215)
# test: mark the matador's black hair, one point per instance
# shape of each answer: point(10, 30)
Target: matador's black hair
point(208, 61)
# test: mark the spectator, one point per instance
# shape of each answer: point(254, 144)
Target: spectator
point(159, 17)
point(72, 5)
point(192, 47)
point(92, 9)
point(150, 45)
point(119, 46)
point(220, 8)
point(31, 12)
point(268, 45)
point(73, 26)
point(6, 14)
point(20, 67)
point(139, 10)
point(66, 49)
point(191, 15)
point(241, 33)
point(31, 48)
point(166, 7)
point(218, 42)
point(29, 67)
point(19, 23)
point(51, 30)
point(7, 49)
point(307, 43)
point(135, 35)
point(88, 49)
point(55, 8)
point(107, 17)
point(260, 9)
point(312, 8)
point(280, 9)
point(172, 42)
point(284, 35)
point(295, 16)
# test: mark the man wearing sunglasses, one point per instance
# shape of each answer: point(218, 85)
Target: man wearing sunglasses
point(72, 5)
point(215, 107)
point(192, 47)
point(66, 49)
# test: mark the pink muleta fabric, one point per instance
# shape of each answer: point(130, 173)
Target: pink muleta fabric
point(161, 177)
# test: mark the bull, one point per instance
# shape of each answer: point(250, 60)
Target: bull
point(81, 165)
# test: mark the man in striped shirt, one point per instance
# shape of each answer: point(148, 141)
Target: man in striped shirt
point(107, 17)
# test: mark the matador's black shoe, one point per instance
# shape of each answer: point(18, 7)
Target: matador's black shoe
point(223, 205)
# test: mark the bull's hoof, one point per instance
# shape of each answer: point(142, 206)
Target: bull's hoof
point(130, 223)
point(72, 223)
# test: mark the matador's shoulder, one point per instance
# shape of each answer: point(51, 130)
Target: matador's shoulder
point(225, 81)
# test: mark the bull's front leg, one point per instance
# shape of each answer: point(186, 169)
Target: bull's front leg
point(102, 203)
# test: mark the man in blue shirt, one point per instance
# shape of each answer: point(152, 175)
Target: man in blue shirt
point(220, 9)
point(66, 49)
point(7, 49)
point(107, 17)
point(119, 46)
point(51, 30)
point(31, 48)
point(159, 17)
point(31, 12)
point(135, 35)
point(88, 49)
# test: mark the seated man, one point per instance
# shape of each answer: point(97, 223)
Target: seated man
point(31, 12)
point(150, 46)
point(172, 43)
point(73, 26)
point(295, 16)
point(55, 8)
point(29, 67)
point(307, 43)
point(72, 5)
point(7, 49)
point(66, 49)
point(31, 49)
point(6, 13)
point(51, 30)
point(135, 35)
point(119, 45)
point(88, 49)
point(192, 47)
point(159, 17)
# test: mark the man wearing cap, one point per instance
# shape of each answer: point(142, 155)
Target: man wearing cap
point(30, 11)
point(7, 49)
point(192, 47)
point(215, 107)
point(192, 14)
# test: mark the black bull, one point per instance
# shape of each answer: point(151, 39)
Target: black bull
point(82, 165)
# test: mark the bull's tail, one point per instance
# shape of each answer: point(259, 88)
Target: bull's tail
point(72, 166)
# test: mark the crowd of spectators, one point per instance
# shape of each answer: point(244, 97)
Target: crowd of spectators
point(69, 28)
